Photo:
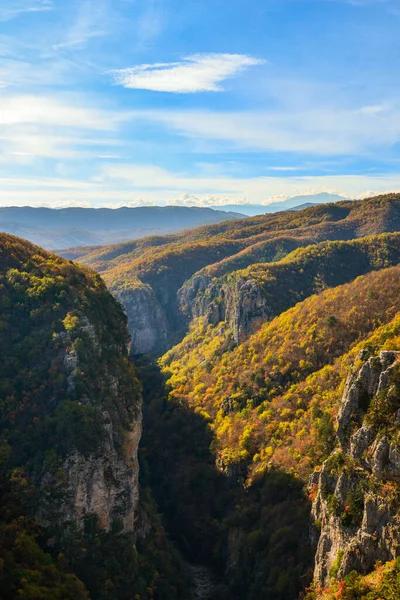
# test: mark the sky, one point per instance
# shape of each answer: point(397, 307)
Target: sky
point(197, 102)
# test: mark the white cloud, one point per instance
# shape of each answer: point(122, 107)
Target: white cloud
point(321, 130)
point(16, 7)
point(92, 20)
point(129, 189)
point(138, 202)
point(65, 204)
point(206, 200)
point(160, 184)
point(34, 143)
point(196, 73)
point(26, 109)
point(39, 126)
point(286, 168)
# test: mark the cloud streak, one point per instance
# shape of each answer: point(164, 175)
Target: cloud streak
point(196, 73)
point(133, 184)
point(92, 20)
point(55, 127)
point(18, 7)
point(320, 130)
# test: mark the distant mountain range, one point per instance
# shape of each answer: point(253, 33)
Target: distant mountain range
point(299, 202)
point(60, 228)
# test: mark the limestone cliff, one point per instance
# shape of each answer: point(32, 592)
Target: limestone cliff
point(237, 301)
point(73, 413)
point(103, 481)
point(147, 321)
point(356, 505)
point(104, 485)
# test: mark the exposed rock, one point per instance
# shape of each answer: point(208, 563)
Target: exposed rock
point(359, 522)
point(147, 322)
point(359, 389)
point(240, 303)
point(104, 484)
point(380, 456)
point(361, 440)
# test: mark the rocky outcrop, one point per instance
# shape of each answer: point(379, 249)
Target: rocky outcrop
point(147, 321)
point(356, 503)
point(237, 301)
point(105, 485)
point(105, 482)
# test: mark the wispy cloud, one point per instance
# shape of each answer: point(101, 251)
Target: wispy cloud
point(319, 130)
point(150, 23)
point(15, 8)
point(92, 19)
point(52, 111)
point(133, 185)
point(196, 73)
point(153, 181)
point(40, 126)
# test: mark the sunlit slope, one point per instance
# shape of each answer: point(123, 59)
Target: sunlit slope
point(344, 219)
point(147, 275)
point(270, 400)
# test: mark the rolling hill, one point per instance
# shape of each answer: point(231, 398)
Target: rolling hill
point(146, 275)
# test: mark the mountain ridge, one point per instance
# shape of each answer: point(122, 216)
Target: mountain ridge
point(253, 210)
point(57, 228)
point(157, 267)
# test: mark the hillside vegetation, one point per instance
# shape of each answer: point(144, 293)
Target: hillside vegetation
point(70, 409)
point(245, 419)
point(268, 352)
point(245, 427)
point(207, 254)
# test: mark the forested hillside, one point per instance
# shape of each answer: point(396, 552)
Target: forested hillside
point(269, 407)
point(268, 355)
point(70, 424)
point(257, 325)
point(146, 275)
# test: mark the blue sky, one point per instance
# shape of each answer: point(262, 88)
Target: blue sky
point(197, 102)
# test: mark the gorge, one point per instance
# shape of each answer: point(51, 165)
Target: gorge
point(263, 360)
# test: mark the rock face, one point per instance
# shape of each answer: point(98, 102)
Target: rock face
point(238, 302)
point(105, 482)
point(356, 503)
point(147, 321)
point(106, 486)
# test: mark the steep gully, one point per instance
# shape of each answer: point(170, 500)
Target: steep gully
point(196, 500)
point(174, 450)
point(211, 516)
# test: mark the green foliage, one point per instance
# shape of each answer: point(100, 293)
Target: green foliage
point(165, 263)
point(382, 584)
point(63, 343)
point(270, 404)
point(286, 379)
point(336, 565)
point(27, 572)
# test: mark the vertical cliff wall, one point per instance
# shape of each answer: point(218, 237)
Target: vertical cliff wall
point(71, 413)
point(356, 507)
